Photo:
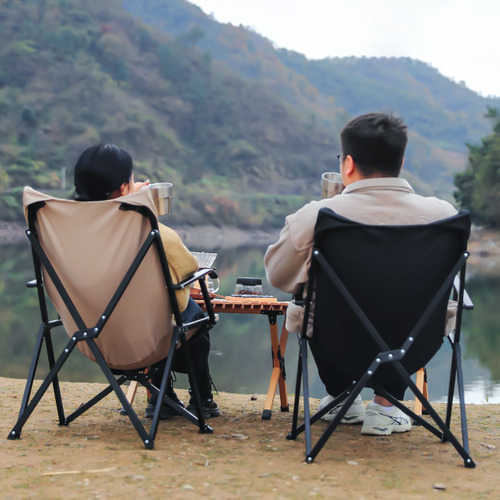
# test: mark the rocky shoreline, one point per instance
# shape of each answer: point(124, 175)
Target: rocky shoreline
point(206, 237)
point(484, 244)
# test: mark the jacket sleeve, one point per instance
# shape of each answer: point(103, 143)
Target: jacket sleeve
point(181, 262)
point(287, 261)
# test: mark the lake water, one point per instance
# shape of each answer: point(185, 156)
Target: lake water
point(241, 351)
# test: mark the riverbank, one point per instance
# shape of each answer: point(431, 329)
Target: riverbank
point(100, 456)
point(201, 237)
point(484, 244)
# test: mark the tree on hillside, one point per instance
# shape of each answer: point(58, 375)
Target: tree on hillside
point(479, 185)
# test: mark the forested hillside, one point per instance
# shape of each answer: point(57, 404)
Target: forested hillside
point(241, 129)
point(76, 73)
point(442, 115)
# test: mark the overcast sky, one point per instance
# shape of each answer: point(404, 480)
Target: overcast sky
point(458, 37)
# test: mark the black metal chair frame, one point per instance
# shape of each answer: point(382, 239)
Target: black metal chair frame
point(88, 334)
point(454, 281)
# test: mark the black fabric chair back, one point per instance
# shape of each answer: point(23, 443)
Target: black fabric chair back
point(392, 273)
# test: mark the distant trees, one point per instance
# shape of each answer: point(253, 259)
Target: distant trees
point(479, 185)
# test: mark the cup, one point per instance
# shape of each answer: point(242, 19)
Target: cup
point(162, 196)
point(212, 287)
point(213, 284)
point(331, 184)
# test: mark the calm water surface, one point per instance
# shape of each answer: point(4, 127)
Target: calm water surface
point(241, 350)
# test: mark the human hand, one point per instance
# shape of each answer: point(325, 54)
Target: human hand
point(139, 185)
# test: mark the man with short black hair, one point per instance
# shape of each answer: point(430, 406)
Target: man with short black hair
point(373, 147)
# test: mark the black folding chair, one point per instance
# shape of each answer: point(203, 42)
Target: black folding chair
point(103, 267)
point(380, 296)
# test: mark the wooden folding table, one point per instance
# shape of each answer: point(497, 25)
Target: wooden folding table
point(271, 309)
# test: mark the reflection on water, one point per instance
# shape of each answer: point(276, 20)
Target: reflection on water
point(241, 350)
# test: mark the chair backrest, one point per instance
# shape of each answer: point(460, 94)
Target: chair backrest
point(392, 273)
point(91, 246)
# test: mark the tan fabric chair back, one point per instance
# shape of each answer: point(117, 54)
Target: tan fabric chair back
point(91, 246)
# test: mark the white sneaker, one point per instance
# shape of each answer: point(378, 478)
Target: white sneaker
point(354, 414)
point(380, 422)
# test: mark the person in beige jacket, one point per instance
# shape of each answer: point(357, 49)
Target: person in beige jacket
point(105, 171)
point(373, 147)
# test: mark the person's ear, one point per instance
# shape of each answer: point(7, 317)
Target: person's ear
point(348, 166)
point(125, 188)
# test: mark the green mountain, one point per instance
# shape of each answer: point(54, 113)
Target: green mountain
point(442, 115)
point(241, 129)
point(75, 73)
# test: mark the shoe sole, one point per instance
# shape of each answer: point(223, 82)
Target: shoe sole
point(382, 431)
point(346, 420)
point(385, 431)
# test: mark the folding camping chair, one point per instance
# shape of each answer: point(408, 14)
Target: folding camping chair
point(103, 267)
point(380, 298)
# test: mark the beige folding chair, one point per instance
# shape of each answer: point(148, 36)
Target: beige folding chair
point(103, 267)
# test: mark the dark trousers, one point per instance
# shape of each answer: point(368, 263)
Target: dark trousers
point(336, 382)
point(199, 349)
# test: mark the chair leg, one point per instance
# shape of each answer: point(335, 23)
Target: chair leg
point(451, 386)
point(445, 434)
point(461, 396)
point(335, 422)
point(298, 382)
point(55, 381)
point(49, 379)
point(147, 439)
point(42, 331)
point(307, 412)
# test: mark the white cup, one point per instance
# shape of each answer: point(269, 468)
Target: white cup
point(331, 184)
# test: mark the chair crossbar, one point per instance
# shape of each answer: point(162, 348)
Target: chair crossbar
point(443, 290)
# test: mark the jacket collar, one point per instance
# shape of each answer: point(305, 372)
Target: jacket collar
point(379, 183)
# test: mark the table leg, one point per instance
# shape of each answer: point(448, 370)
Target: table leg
point(132, 389)
point(421, 383)
point(282, 378)
point(278, 376)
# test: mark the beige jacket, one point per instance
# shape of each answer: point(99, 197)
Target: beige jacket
point(386, 201)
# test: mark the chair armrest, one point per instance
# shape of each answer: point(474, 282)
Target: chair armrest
point(468, 304)
point(196, 277)
point(298, 297)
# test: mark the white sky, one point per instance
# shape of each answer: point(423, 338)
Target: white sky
point(458, 37)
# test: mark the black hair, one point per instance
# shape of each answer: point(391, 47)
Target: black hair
point(376, 143)
point(100, 170)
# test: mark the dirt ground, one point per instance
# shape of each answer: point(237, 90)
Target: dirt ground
point(100, 456)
